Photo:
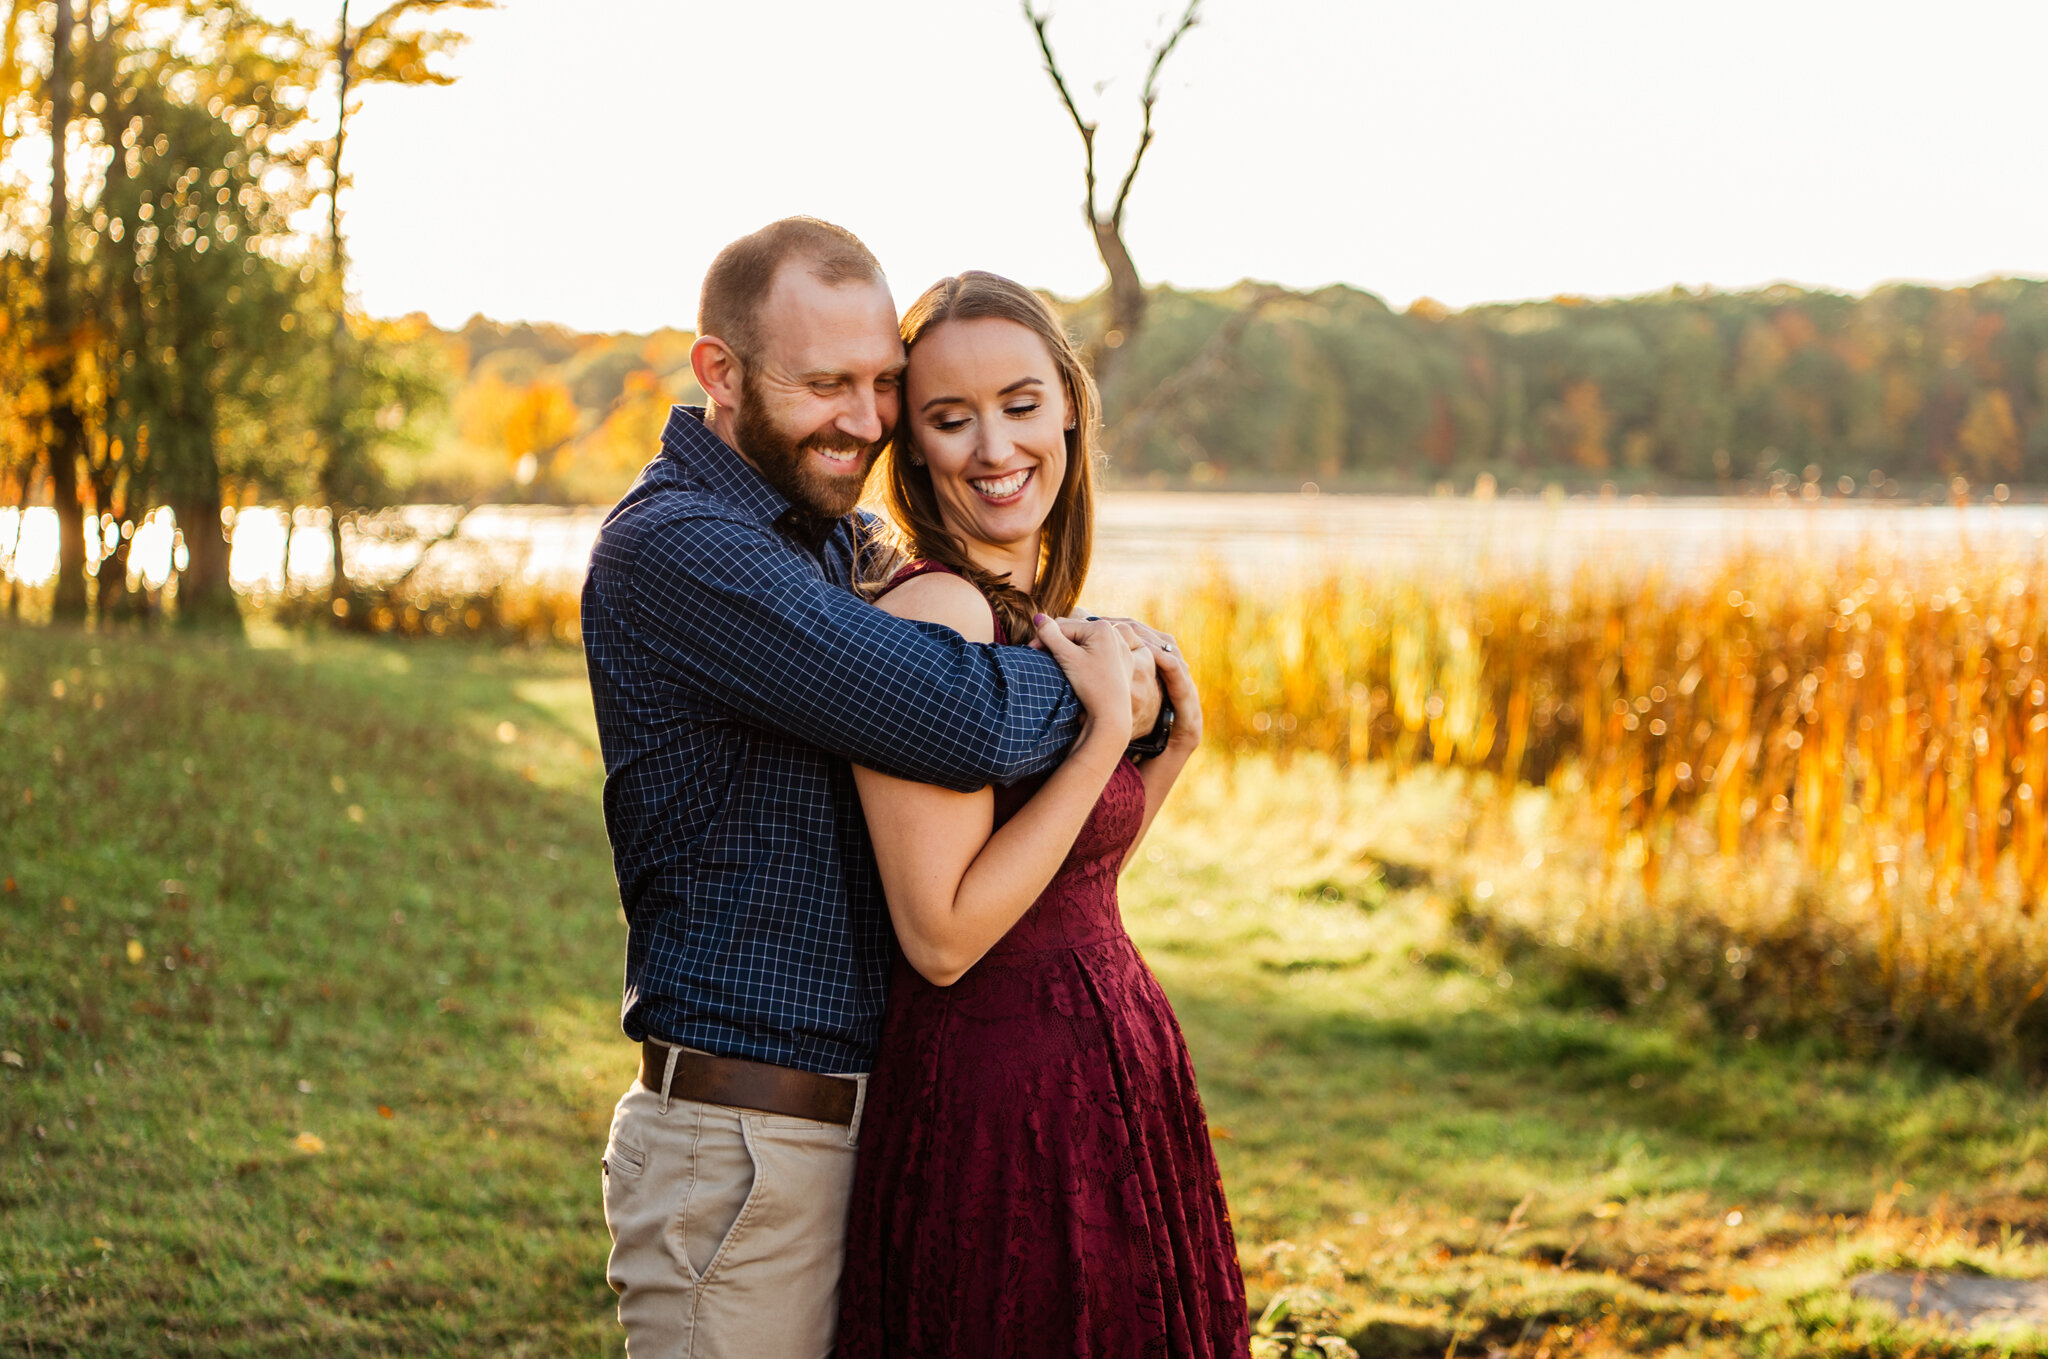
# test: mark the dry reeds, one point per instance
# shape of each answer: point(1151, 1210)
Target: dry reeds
point(1824, 781)
point(1862, 711)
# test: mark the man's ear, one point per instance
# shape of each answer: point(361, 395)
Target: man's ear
point(718, 371)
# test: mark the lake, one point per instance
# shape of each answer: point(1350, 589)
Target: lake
point(1148, 540)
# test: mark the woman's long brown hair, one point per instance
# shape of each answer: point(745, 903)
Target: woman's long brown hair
point(1068, 535)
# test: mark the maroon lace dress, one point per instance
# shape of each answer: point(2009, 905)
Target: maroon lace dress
point(1035, 1176)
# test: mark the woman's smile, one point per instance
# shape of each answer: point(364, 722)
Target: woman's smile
point(1003, 489)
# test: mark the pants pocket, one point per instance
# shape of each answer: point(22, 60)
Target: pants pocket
point(624, 1160)
point(633, 1208)
point(721, 1190)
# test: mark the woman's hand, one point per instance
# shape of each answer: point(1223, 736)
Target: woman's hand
point(1098, 662)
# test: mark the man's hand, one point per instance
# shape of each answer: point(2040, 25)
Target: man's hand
point(1146, 689)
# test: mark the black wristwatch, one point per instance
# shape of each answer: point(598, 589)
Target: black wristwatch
point(1154, 743)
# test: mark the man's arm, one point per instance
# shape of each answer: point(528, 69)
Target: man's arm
point(730, 609)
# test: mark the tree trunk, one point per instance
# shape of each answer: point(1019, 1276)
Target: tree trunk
point(66, 435)
point(1126, 297)
point(113, 600)
point(347, 608)
point(67, 429)
point(205, 599)
point(342, 592)
point(21, 504)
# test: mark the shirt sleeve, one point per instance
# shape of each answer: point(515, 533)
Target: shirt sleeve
point(732, 611)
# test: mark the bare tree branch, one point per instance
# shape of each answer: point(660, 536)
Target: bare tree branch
point(1038, 24)
point(1127, 299)
point(1150, 97)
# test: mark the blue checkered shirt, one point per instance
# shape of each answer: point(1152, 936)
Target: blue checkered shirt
point(735, 675)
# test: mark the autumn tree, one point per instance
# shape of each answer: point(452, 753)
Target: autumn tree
point(199, 339)
point(395, 46)
point(166, 331)
point(21, 419)
point(42, 42)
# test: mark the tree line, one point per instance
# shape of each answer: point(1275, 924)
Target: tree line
point(1682, 389)
point(167, 337)
point(1260, 387)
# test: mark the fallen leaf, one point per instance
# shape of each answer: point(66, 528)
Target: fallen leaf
point(1222, 1135)
point(134, 950)
point(309, 1143)
point(11, 1058)
point(1608, 1209)
point(1742, 1293)
point(507, 733)
point(357, 814)
point(101, 1243)
point(384, 1111)
point(10, 884)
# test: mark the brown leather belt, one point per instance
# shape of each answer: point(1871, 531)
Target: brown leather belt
point(749, 1085)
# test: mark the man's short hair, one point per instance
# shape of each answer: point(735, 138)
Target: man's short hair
point(737, 283)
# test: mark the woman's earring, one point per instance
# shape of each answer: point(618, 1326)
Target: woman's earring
point(916, 458)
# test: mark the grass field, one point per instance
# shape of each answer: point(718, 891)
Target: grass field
point(309, 957)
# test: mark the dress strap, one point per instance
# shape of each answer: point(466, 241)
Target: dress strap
point(925, 566)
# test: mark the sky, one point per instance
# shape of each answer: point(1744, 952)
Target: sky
point(594, 154)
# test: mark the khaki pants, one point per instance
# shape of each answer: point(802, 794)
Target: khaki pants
point(728, 1228)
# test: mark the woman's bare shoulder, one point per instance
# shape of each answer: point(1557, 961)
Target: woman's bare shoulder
point(942, 597)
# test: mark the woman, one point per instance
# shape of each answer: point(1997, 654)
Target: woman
point(1035, 1175)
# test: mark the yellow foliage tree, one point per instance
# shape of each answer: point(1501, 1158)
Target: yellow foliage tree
point(1580, 423)
point(1989, 435)
point(529, 421)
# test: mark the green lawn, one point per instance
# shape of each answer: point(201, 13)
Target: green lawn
point(309, 960)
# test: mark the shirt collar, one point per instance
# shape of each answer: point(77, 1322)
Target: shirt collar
point(713, 464)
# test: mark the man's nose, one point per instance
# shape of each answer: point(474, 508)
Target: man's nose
point(863, 418)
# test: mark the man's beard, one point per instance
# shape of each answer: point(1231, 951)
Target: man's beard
point(786, 463)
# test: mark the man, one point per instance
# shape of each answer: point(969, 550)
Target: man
point(735, 675)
